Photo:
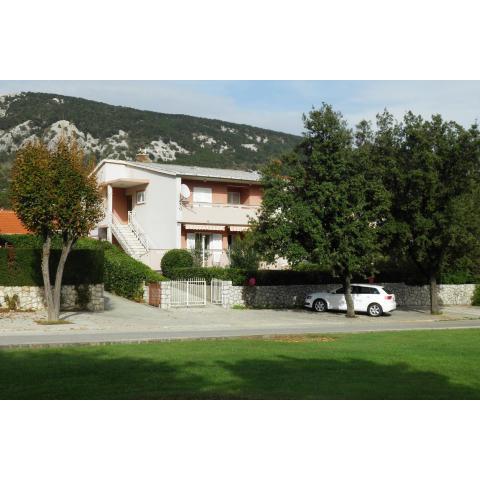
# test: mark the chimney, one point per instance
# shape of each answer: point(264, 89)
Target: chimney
point(142, 156)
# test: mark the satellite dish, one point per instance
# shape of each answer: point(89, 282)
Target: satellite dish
point(184, 191)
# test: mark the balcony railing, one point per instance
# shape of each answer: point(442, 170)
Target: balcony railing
point(222, 205)
point(218, 213)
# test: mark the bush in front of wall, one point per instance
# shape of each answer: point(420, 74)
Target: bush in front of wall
point(22, 266)
point(176, 258)
point(476, 296)
point(12, 302)
point(237, 276)
point(83, 296)
point(124, 275)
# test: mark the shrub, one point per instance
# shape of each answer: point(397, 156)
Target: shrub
point(101, 262)
point(238, 277)
point(124, 275)
point(243, 254)
point(83, 295)
point(22, 266)
point(291, 277)
point(34, 241)
point(13, 302)
point(476, 296)
point(176, 258)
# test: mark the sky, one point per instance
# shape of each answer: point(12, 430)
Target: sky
point(277, 105)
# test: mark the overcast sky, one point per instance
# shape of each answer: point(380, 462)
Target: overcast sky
point(277, 105)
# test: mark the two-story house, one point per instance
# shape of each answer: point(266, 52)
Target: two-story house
point(151, 208)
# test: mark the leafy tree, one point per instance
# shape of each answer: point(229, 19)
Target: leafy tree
point(324, 202)
point(243, 253)
point(432, 168)
point(53, 194)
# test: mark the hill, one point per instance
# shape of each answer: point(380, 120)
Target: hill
point(108, 131)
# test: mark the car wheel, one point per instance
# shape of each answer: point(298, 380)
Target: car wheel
point(320, 305)
point(374, 310)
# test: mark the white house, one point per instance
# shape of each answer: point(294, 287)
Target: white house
point(151, 208)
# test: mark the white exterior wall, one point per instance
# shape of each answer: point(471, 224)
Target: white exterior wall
point(159, 214)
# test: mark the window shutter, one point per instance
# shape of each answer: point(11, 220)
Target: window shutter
point(202, 195)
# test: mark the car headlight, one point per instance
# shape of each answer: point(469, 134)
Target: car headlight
point(308, 297)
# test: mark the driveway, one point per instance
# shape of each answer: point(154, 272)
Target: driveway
point(126, 321)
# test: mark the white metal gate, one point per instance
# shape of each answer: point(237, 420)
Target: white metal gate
point(216, 287)
point(188, 293)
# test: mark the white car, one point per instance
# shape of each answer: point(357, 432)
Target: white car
point(373, 299)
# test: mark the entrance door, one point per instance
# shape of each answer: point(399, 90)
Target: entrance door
point(129, 203)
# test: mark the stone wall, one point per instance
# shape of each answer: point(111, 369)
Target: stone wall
point(33, 298)
point(288, 296)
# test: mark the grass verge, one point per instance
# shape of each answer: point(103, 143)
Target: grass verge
point(388, 365)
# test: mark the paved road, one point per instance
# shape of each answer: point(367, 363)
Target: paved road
point(126, 321)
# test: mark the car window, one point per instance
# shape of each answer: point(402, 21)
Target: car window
point(356, 289)
point(340, 290)
point(369, 290)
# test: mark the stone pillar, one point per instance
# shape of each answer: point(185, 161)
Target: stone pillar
point(227, 300)
point(165, 289)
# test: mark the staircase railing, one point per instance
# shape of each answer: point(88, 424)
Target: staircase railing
point(114, 223)
point(138, 230)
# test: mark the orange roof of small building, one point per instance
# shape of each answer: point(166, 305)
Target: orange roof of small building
point(10, 223)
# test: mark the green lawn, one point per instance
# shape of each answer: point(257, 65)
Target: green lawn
point(399, 365)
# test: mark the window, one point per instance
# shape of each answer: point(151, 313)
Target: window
point(141, 197)
point(233, 198)
point(368, 291)
point(231, 239)
point(202, 195)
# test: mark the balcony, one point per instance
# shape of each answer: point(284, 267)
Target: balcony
point(218, 213)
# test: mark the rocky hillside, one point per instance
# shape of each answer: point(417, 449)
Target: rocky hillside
point(118, 132)
point(110, 131)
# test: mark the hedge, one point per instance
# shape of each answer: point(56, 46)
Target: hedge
point(476, 296)
point(121, 274)
point(238, 277)
point(34, 241)
point(303, 277)
point(262, 277)
point(124, 275)
point(22, 267)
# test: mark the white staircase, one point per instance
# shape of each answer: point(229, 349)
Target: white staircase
point(129, 241)
point(129, 235)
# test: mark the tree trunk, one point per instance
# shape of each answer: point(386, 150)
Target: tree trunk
point(46, 278)
point(348, 296)
point(434, 307)
point(57, 291)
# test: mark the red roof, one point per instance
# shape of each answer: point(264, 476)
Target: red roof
point(10, 223)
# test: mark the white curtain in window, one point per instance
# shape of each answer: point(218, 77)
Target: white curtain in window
point(191, 241)
point(216, 246)
point(202, 195)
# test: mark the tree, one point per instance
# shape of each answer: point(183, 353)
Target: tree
point(53, 195)
point(432, 168)
point(243, 253)
point(324, 203)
